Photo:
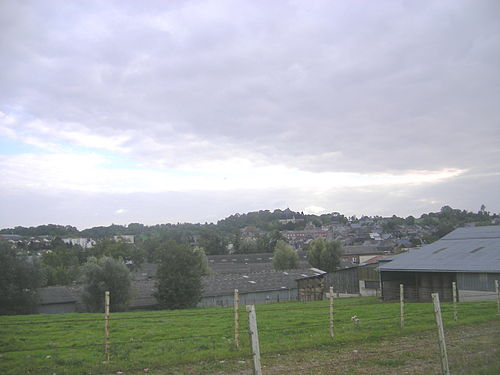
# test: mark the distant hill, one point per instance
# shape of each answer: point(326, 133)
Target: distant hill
point(445, 220)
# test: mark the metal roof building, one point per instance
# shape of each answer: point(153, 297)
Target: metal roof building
point(258, 287)
point(468, 256)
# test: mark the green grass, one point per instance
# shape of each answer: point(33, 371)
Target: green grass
point(201, 339)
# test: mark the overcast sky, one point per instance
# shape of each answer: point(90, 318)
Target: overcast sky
point(173, 111)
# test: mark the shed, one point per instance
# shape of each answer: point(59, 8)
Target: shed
point(360, 280)
point(469, 256)
point(311, 288)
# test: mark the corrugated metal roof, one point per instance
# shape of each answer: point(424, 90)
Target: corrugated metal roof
point(223, 284)
point(491, 231)
point(475, 249)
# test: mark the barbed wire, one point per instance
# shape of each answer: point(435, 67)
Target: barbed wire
point(166, 318)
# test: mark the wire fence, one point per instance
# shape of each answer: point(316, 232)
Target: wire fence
point(206, 339)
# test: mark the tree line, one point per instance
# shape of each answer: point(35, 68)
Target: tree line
point(108, 266)
point(214, 238)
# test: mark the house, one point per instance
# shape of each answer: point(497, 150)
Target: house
point(299, 238)
point(469, 256)
point(84, 243)
point(293, 220)
point(127, 238)
point(362, 253)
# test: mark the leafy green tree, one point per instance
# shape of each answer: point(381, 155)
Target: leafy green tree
point(212, 241)
point(410, 220)
point(248, 246)
point(274, 237)
point(106, 274)
point(285, 258)
point(202, 260)
point(324, 255)
point(19, 281)
point(179, 276)
point(237, 241)
point(150, 248)
point(61, 265)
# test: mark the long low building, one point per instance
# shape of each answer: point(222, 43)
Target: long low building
point(258, 287)
point(468, 256)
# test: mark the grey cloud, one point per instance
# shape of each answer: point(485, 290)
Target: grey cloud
point(344, 86)
point(86, 210)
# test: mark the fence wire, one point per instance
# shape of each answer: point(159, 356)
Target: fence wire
point(315, 312)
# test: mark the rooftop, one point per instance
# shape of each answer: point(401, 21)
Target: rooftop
point(223, 284)
point(473, 249)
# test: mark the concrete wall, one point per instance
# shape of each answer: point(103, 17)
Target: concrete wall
point(367, 292)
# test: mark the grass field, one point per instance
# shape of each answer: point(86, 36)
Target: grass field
point(200, 341)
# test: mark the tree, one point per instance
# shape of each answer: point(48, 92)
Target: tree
point(248, 246)
point(130, 254)
point(106, 274)
point(179, 276)
point(202, 260)
point(285, 258)
point(19, 281)
point(212, 241)
point(410, 220)
point(61, 265)
point(324, 255)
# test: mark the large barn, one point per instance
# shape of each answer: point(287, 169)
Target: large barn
point(469, 256)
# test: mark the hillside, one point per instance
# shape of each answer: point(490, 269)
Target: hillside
point(444, 221)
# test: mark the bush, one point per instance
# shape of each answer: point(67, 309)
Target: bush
point(285, 258)
point(106, 274)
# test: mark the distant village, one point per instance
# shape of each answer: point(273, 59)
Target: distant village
point(369, 246)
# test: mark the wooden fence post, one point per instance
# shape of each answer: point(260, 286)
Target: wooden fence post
point(331, 312)
point(106, 325)
point(254, 339)
point(237, 318)
point(442, 343)
point(454, 288)
point(498, 297)
point(402, 305)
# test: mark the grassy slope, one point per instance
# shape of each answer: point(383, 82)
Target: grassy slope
point(202, 338)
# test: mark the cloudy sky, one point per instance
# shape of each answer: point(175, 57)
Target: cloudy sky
point(173, 111)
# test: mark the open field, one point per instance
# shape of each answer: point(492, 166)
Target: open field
point(294, 338)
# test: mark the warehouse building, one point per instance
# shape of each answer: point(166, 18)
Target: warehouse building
point(468, 256)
